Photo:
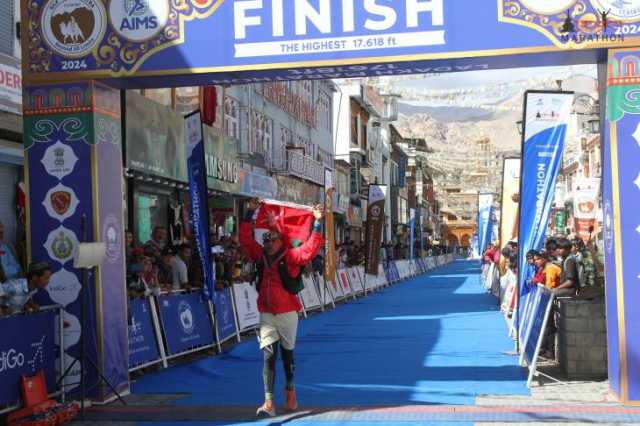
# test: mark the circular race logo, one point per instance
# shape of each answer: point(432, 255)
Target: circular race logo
point(186, 317)
point(111, 236)
point(73, 28)
point(546, 7)
point(139, 20)
point(624, 10)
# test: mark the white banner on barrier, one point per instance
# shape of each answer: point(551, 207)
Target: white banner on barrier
point(309, 295)
point(343, 280)
point(354, 279)
point(245, 298)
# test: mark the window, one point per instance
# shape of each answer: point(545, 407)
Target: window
point(261, 133)
point(355, 127)
point(232, 117)
point(187, 99)
point(355, 176)
point(325, 115)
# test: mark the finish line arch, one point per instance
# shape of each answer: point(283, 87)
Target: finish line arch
point(78, 54)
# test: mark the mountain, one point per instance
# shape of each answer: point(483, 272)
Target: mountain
point(445, 114)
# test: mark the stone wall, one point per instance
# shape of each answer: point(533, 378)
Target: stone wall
point(582, 338)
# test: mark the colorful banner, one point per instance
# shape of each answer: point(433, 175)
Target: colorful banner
point(373, 230)
point(412, 229)
point(330, 241)
point(143, 342)
point(27, 346)
point(225, 317)
point(198, 197)
point(83, 39)
point(585, 205)
point(545, 127)
point(510, 197)
point(485, 221)
point(185, 321)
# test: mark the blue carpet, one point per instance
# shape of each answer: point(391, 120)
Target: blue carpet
point(437, 339)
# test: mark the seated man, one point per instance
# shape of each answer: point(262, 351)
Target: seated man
point(20, 292)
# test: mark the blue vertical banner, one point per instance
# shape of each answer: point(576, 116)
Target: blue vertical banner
point(196, 166)
point(420, 219)
point(546, 118)
point(412, 229)
point(485, 223)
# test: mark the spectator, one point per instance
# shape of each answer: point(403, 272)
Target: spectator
point(586, 261)
point(165, 271)
point(9, 266)
point(318, 263)
point(551, 247)
point(157, 243)
point(144, 279)
point(180, 272)
point(548, 274)
point(128, 245)
point(19, 292)
point(569, 276)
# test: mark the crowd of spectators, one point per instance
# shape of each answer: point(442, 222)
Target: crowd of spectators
point(566, 267)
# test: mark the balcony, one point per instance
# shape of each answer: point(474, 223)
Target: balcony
point(304, 167)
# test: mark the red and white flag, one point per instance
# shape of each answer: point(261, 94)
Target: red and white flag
point(291, 221)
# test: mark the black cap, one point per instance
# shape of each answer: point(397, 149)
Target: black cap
point(168, 251)
point(38, 267)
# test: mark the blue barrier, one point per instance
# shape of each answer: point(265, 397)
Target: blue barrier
point(186, 322)
point(225, 315)
point(144, 348)
point(540, 307)
point(27, 346)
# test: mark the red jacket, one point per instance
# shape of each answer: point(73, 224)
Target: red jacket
point(273, 298)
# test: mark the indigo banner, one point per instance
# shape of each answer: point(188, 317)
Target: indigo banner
point(197, 168)
point(27, 346)
point(143, 343)
point(185, 321)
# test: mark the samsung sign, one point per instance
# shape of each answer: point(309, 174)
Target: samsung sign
point(353, 25)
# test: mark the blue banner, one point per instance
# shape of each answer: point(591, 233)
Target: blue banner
point(412, 228)
point(225, 319)
point(185, 321)
point(546, 119)
point(196, 165)
point(143, 342)
point(27, 346)
point(542, 298)
point(485, 223)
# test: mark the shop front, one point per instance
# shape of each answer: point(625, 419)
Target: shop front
point(155, 164)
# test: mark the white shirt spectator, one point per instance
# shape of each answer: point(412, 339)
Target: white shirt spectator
point(17, 294)
point(180, 273)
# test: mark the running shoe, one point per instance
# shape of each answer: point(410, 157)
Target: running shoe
point(266, 410)
point(292, 402)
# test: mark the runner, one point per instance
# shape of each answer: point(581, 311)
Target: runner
point(278, 268)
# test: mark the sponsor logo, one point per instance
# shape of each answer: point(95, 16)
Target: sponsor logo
point(59, 160)
point(546, 7)
point(186, 317)
point(10, 360)
point(135, 327)
point(112, 238)
point(61, 202)
point(627, 10)
point(375, 211)
point(73, 28)
point(63, 288)
point(139, 20)
point(61, 244)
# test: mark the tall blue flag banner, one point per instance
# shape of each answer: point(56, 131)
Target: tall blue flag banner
point(546, 118)
point(421, 218)
point(196, 166)
point(485, 225)
point(412, 228)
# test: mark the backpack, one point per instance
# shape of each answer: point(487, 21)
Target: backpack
point(292, 285)
point(581, 273)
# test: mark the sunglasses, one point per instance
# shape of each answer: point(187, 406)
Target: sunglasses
point(270, 238)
